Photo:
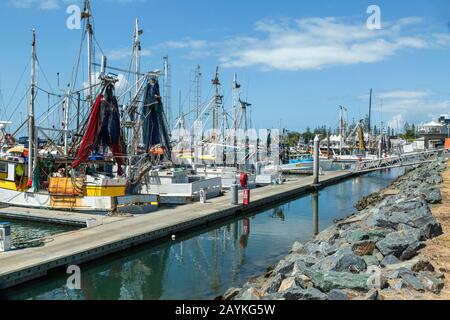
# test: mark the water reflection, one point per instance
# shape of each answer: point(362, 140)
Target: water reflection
point(278, 213)
point(205, 263)
point(315, 198)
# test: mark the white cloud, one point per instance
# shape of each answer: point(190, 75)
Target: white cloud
point(57, 4)
point(185, 43)
point(125, 53)
point(314, 43)
point(397, 123)
point(405, 105)
point(40, 4)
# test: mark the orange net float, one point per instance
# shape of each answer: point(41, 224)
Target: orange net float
point(158, 151)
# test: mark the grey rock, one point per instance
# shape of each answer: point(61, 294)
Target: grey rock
point(389, 260)
point(413, 212)
point(250, 294)
point(413, 282)
point(434, 180)
point(377, 254)
point(343, 262)
point(337, 295)
point(431, 282)
point(399, 284)
point(328, 235)
point(327, 281)
point(273, 297)
point(397, 242)
point(308, 260)
point(363, 248)
point(432, 196)
point(372, 295)
point(432, 229)
point(231, 294)
point(298, 248)
point(397, 274)
point(284, 267)
point(300, 268)
point(371, 261)
point(414, 265)
point(412, 250)
point(273, 284)
point(304, 294)
point(318, 250)
point(358, 235)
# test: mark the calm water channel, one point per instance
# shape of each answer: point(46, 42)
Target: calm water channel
point(205, 263)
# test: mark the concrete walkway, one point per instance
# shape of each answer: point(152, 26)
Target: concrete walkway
point(55, 217)
point(92, 243)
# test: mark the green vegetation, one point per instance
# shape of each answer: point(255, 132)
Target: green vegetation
point(294, 137)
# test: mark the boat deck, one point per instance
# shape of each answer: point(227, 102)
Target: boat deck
point(88, 244)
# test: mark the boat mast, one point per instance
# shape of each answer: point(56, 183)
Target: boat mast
point(236, 87)
point(167, 90)
point(198, 79)
point(370, 117)
point(137, 48)
point(217, 103)
point(342, 127)
point(32, 153)
point(87, 15)
point(66, 121)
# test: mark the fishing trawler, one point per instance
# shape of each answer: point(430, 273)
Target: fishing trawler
point(84, 174)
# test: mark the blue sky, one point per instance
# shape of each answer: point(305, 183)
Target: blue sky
point(297, 60)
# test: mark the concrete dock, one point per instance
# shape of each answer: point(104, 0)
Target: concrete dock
point(88, 244)
point(73, 219)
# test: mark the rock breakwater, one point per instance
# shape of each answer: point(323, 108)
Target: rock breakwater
point(369, 252)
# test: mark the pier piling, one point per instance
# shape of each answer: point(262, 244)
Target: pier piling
point(316, 160)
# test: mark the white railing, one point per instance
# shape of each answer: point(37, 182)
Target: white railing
point(404, 160)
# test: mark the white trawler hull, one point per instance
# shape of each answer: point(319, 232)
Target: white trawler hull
point(132, 204)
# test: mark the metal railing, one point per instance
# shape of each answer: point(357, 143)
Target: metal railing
point(398, 161)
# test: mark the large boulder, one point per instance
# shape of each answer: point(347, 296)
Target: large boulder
point(231, 294)
point(431, 282)
point(414, 213)
point(327, 281)
point(297, 248)
point(291, 283)
point(431, 195)
point(337, 295)
point(343, 261)
point(390, 260)
point(249, 294)
point(273, 284)
point(413, 282)
point(363, 248)
point(304, 294)
point(397, 243)
point(374, 235)
point(328, 235)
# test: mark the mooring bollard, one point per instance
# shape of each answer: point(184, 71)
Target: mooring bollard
point(202, 196)
point(316, 171)
point(5, 236)
point(234, 194)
